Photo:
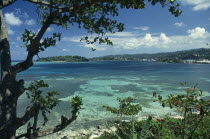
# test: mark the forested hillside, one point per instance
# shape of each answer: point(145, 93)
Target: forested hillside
point(171, 57)
point(179, 56)
point(63, 58)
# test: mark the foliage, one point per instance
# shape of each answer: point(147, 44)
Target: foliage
point(192, 125)
point(92, 16)
point(187, 103)
point(168, 128)
point(76, 104)
point(41, 104)
point(125, 107)
point(64, 58)
point(29, 36)
point(145, 129)
point(45, 104)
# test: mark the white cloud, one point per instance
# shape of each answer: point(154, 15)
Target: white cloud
point(17, 10)
point(179, 24)
point(94, 46)
point(25, 15)
point(30, 22)
point(164, 39)
point(72, 39)
point(10, 31)
point(64, 50)
point(11, 19)
point(144, 28)
point(198, 33)
point(194, 38)
point(77, 40)
point(121, 34)
point(20, 13)
point(12, 42)
point(18, 38)
point(148, 41)
point(203, 6)
point(132, 41)
point(50, 29)
point(198, 4)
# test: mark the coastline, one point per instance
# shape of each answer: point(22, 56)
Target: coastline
point(50, 61)
point(94, 132)
point(197, 62)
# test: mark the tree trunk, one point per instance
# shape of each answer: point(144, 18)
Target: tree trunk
point(10, 89)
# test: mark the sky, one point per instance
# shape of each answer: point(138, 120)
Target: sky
point(150, 30)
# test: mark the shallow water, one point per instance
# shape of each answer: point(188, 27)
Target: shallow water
point(100, 83)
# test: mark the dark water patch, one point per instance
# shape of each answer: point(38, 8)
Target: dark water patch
point(153, 88)
point(126, 88)
point(102, 94)
point(143, 99)
point(173, 89)
point(22, 105)
point(65, 87)
point(63, 108)
point(206, 98)
point(100, 108)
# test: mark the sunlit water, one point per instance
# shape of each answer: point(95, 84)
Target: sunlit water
point(100, 83)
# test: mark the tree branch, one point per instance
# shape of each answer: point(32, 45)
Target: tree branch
point(82, 6)
point(64, 123)
point(30, 112)
point(33, 49)
point(7, 2)
point(70, 8)
point(39, 2)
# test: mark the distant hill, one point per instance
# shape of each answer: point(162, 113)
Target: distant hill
point(170, 57)
point(63, 58)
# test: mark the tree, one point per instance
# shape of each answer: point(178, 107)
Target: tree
point(91, 15)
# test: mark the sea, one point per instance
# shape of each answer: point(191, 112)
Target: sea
point(101, 83)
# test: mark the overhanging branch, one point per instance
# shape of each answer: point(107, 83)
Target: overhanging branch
point(7, 2)
point(33, 49)
point(64, 123)
point(39, 2)
point(30, 112)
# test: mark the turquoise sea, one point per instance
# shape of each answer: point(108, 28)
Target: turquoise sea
point(100, 83)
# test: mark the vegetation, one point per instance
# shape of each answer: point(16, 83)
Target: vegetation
point(126, 107)
point(167, 128)
point(170, 57)
point(93, 16)
point(191, 126)
point(45, 104)
point(63, 58)
point(187, 103)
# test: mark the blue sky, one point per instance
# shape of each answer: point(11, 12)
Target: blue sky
point(150, 30)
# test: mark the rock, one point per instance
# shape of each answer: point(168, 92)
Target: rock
point(93, 136)
point(84, 132)
point(99, 127)
point(113, 128)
